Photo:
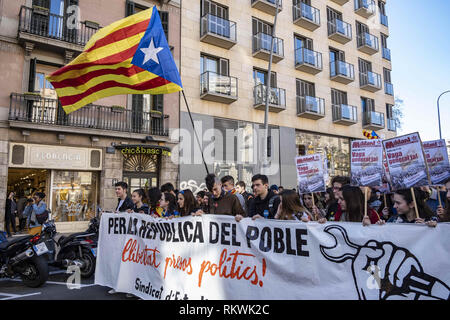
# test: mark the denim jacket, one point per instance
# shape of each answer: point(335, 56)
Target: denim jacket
point(32, 211)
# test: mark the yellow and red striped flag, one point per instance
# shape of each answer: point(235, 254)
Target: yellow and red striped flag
point(129, 56)
point(370, 134)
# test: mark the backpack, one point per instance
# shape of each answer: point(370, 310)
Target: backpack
point(41, 218)
point(273, 210)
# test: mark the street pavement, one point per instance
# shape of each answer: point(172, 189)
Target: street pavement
point(56, 288)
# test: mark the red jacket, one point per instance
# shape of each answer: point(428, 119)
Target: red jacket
point(373, 215)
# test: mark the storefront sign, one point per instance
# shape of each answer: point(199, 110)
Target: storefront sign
point(406, 162)
point(437, 159)
point(149, 150)
point(367, 163)
point(54, 157)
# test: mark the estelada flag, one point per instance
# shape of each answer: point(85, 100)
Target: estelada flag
point(370, 134)
point(129, 56)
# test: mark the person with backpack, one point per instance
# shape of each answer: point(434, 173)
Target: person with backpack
point(265, 199)
point(248, 197)
point(38, 213)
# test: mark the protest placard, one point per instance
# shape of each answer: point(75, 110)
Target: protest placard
point(310, 173)
point(367, 163)
point(437, 160)
point(406, 162)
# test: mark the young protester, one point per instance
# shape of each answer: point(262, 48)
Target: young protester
point(138, 197)
point(336, 186)
point(199, 197)
point(274, 188)
point(123, 202)
point(443, 213)
point(351, 202)
point(205, 205)
point(265, 199)
point(404, 204)
point(290, 207)
point(221, 202)
point(280, 189)
point(311, 207)
point(154, 195)
point(168, 187)
point(168, 203)
point(241, 188)
point(228, 186)
point(186, 203)
point(388, 211)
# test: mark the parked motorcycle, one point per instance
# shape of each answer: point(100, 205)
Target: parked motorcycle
point(79, 249)
point(24, 256)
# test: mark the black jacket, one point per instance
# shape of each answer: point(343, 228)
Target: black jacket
point(257, 205)
point(127, 204)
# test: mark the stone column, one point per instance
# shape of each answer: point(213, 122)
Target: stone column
point(169, 171)
point(112, 169)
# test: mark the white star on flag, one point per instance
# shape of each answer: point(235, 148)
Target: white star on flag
point(151, 52)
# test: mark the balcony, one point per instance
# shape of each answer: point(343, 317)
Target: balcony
point(388, 88)
point(33, 109)
point(365, 8)
point(306, 16)
point(308, 60)
point(342, 72)
point(218, 31)
point(340, 2)
point(277, 98)
point(261, 47)
point(368, 43)
point(267, 6)
point(384, 20)
point(339, 31)
point(344, 114)
point(218, 88)
point(310, 107)
point(370, 81)
point(373, 120)
point(38, 25)
point(392, 125)
point(386, 54)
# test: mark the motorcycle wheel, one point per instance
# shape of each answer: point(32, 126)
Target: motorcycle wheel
point(89, 267)
point(34, 272)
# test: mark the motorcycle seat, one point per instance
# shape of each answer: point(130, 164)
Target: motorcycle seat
point(64, 239)
point(6, 244)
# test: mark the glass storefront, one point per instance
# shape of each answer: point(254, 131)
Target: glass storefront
point(74, 195)
point(335, 149)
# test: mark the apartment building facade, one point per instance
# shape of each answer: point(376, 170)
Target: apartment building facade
point(77, 158)
point(330, 79)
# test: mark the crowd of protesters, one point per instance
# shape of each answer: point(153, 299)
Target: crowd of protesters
point(341, 202)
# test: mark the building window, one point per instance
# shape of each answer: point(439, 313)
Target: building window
point(131, 8)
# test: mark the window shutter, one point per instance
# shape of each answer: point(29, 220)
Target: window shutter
point(223, 67)
point(32, 78)
point(129, 8)
point(164, 15)
point(159, 102)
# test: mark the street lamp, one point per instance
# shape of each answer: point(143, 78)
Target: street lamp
point(439, 115)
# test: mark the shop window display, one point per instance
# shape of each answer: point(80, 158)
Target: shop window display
point(74, 195)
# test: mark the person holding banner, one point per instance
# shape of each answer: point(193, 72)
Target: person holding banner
point(265, 199)
point(406, 206)
point(169, 205)
point(290, 208)
point(138, 196)
point(186, 203)
point(336, 184)
point(221, 202)
point(154, 195)
point(351, 201)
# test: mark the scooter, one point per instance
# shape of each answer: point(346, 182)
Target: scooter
point(77, 249)
point(24, 256)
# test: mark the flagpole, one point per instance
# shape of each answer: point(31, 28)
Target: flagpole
point(195, 132)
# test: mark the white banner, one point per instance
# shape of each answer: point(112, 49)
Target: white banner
point(215, 257)
point(406, 162)
point(310, 173)
point(367, 163)
point(437, 160)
